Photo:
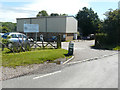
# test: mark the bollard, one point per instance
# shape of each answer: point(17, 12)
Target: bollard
point(71, 48)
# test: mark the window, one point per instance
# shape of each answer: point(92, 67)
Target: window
point(19, 35)
point(24, 36)
point(13, 36)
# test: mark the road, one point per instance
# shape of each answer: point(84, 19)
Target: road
point(102, 73)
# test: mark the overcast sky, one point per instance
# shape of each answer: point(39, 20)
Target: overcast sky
point(12, 9)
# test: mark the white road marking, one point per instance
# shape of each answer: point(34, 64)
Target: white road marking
point(68, 60)
point(91, 59)
point(47, 75)
point(75, 62)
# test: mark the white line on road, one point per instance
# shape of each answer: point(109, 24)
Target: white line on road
point(68, 60)
point(47, 75)
point(95, 58)
point(91, 59)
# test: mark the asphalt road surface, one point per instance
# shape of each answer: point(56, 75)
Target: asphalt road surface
point(101, 73)
point(83, 50)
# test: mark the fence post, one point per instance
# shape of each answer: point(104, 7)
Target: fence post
point(59, 41)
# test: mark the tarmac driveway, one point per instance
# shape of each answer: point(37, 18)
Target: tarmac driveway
point(83, 50)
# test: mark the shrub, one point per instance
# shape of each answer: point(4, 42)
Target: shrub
point(101, 39)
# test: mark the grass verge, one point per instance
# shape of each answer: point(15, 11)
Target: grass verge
point(117, 48)
point(31, 57)
point(107, 47)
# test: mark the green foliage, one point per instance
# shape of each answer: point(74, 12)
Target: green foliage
point(101, 39)
point(117, 48)
point(78, 33)
point(7, 27)
point(6, 41)
point(88, 21)
point(54, 14)
point(64, 14)
point(27, 47)
point(4, 29)
point(42, 13)
point(111, 26)
point(31, 57)
point(15, 47)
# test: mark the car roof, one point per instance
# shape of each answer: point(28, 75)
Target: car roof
point(1, 33)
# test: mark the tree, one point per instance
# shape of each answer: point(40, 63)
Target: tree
point(64, 14)
point(88, 21)
point(42, 13)
point(111, 26)
point(4, 29)
point(11, 26)
point(54, 14)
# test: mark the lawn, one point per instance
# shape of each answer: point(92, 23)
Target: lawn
point(108, 47)
point(117, 48)
point(31, 57)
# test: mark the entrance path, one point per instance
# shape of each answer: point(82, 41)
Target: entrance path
point(83, 50)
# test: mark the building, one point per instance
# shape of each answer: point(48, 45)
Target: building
point(49, 27)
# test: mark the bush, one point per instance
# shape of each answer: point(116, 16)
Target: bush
point(101, 39)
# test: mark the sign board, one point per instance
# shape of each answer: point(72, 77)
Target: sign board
point(31, 28)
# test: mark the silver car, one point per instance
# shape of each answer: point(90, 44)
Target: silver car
point(16, 38)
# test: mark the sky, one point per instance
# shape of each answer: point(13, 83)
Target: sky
point(12, 9)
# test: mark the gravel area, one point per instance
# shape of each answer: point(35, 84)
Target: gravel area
point(8, 73)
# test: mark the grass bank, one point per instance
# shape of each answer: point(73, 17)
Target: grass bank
point(31, 57)
point(117, 48)
point(107, 47)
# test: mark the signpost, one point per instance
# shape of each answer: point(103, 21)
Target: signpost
point(31, 28)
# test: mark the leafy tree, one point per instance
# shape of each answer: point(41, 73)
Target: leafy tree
point(111, 26)
point(54, 14)
point(42, 13)
point(88, 21)
point(4, 29)
point(64, 14)
point(9, 25)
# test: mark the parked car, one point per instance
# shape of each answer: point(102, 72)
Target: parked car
point(91, 37)
point(16, 38)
